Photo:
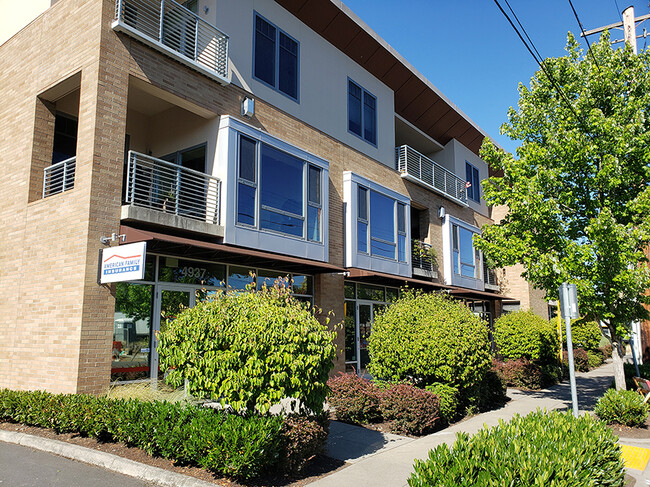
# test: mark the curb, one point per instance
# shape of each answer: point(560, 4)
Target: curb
point(104, 460)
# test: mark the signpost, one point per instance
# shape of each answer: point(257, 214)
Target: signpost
point(569, 309)
point(123, 263)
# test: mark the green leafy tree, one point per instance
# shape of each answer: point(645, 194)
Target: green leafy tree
point(578, 194)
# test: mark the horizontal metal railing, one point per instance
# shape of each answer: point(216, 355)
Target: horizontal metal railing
point(410, 162)
point(170, 188)
point(489, 276)
point(170, 26)
point(422, 257)
point(59, 177)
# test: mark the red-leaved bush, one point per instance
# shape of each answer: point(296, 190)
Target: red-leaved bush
point(519, 373)
point(304, 437)
point(580, 358)
point(410, 410)
point(355, 400)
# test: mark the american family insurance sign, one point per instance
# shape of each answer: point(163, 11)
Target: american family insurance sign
point(123, 263)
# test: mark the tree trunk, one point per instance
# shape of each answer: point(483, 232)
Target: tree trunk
point(617, 358)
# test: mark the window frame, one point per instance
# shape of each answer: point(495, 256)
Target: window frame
point(474, 190)
point(362, 103)
point(258, 187)
point(456, 257)
point(276, 58)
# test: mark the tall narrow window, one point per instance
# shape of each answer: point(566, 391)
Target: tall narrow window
point(314, 208)
point(382, 225)
point(362, 113)
point(275, 58)
point(466, 259)
point(362, 220)
point(473, 182)
point(247, 181)
point(401, 232)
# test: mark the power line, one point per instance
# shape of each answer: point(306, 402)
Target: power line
point(540, 62)
point(583, 35)
point(618, 10)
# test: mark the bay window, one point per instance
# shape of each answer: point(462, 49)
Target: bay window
point(463, 262)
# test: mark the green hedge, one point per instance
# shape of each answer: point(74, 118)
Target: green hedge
point(541, 449)
point(230, 444)
point(622, 407)
point(250, 350)
point(585, 334)
point(523, 334)
point(429, 338)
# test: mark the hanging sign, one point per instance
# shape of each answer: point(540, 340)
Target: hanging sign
point(123, 263)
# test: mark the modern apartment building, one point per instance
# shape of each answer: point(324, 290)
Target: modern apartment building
point(242, 140)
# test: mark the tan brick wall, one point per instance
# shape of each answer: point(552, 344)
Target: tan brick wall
point(329, 298)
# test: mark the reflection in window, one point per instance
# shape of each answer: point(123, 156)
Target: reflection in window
point(362, 113)
point(275, 60)
point(465, 258)
point(191, 272)
point(239, 277)
point(284, 181)
point(371, 293)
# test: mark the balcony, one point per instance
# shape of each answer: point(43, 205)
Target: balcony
point(170, 195)
point(490, 278)
point(423, 260)
point(59, 177)
point(421, 170)
point(177, 32)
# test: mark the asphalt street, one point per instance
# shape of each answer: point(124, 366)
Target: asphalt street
point(23, 467)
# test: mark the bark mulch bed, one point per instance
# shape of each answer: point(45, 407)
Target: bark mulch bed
point(318, 467)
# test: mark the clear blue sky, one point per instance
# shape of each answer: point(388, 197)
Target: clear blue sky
point(469, 51)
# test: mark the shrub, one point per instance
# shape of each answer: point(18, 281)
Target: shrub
point(595, 359)
point(356, 400)
point(523, 334)
point(249, 350)
point(304, 437)
point(550, 449)
point(606, 350)
point(448, 399)
point(584, 334)
point(622, 407)
point(552, 374)
point(410, 410)
point(519, 373)
point(580, 359)
point(492, 391)
point(429, 338)
point(234, 445)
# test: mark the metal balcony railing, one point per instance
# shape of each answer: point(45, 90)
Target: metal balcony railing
point(59, 177)
point(167, 187)
point(176, 31)
point(424, 171)
point(422, 257)
point(489, 277)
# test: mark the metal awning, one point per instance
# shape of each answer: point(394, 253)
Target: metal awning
point(473, 294)
point(391, 279)
point(227, 254)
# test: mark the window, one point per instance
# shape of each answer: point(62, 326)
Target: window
point(381, 225)
point(275, 58)
point(473, 184)
point(466, 259)
point(278, 192)
point(362, 113)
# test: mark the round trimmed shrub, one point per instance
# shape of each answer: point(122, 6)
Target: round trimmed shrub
point(523, 334)
point(428, 338)
point(356, 400)
point(622, 407)
point(409, 409)
point(580, 359)
point(520, 373)
point(249, 350)
point(552, 449)
point(585, 334)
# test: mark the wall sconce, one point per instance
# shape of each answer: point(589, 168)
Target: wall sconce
point(248, 107)
point(441, 212)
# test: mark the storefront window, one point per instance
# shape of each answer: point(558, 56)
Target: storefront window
point(191, 272)
point(350, 290)
point(371, 293)
point(303, 285)
point(239, 277)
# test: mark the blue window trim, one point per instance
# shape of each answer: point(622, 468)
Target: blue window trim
point(277, 58)
point(475, 181)
point(364, 92)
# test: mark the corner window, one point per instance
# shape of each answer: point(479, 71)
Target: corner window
point(466, 259)
point(275, 58)
point(362, 113)
point(472, 184)
point(278, 192)
point(381, 225)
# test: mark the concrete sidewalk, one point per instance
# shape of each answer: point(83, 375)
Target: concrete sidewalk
point(387, 460)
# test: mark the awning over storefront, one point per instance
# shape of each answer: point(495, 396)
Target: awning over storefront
point(227, 254)
point(472, 294)
point(381, 278)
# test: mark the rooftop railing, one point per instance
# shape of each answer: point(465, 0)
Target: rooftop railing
point(176, 31)
point(167, 187)
point(59, 177)
point(429, 173)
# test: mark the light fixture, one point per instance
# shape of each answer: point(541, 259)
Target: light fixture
point(112, 238)
point(441, 212)
point(248, 107)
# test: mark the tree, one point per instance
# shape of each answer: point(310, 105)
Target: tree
point(578, 194)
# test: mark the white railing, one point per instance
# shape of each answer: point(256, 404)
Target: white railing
point(167, 187)
point(422, 257)
point(428, 172)
point(59, 177)
point(175, 30)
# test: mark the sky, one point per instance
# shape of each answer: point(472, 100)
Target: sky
point(469, 51)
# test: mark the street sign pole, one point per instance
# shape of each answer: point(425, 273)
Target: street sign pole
point(569, 306)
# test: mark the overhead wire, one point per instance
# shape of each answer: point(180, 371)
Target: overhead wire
point(584, 35)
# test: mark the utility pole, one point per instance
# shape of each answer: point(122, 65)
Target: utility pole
point(629, 28)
